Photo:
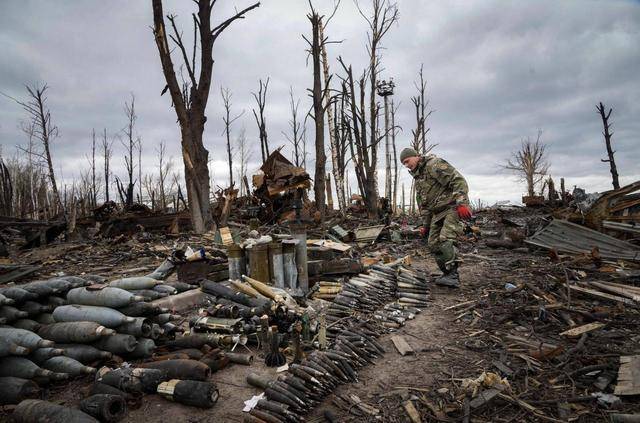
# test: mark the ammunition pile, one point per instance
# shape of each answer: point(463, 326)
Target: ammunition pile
point(327, 290)
point(68, 327)
point(360, 311)
point(61, 327)
point(33, 347)
point(305, 384)
point(367, 293)
point(412, 288)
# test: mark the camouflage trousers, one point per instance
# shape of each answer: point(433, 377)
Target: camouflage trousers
point(444, 229)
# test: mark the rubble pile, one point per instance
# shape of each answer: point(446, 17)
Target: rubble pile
point(553, 335)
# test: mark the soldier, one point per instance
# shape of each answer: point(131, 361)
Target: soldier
point(441, 193)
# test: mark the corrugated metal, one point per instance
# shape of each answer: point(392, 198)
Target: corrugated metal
point(568, 237)
point(625, 227)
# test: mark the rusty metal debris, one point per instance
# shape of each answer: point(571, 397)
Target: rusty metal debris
point(571, 238)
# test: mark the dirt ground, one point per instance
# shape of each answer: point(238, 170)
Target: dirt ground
point(447, 344)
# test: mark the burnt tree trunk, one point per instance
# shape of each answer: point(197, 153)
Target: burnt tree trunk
point(106, 154)
point(318, 115)
point(261, 101)
point(607, 139)
point(331, 120)
point(190, 99)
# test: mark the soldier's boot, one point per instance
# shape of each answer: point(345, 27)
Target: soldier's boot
point(445, 256)
point(450, 279)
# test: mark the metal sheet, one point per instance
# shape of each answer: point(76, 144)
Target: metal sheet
point(368, 234)
point(568, 237)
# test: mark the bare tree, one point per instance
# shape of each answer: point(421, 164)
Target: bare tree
point(42, 128)
point(29, 129)
point(106, 156)
point(364, 147)
point(339, 153)
point(6, 190)
point(261, 101)
point(129, 143)
point(304, 146)
point(190, 98)
point(164, 168)
point(150, 187)
point(92, 170)
point(420, 142)
point(607, 140)
point(297, 130)
point(228, 121)
point(318, 111)
point(139, 145)
point(331, 118)
point(530, 163)
point(244, 153)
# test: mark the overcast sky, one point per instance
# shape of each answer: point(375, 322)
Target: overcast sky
point(497, 72)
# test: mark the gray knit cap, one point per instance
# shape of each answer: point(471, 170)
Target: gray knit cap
point(407, 152)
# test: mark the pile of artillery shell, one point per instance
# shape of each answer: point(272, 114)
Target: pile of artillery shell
point(305, 385)
point(327, 290)
point(412, 288)
point(367, 293)
point(364, 294)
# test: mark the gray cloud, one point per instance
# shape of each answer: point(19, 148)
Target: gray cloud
point(496, 72)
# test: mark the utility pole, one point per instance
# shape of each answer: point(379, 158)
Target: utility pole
point(385, 90)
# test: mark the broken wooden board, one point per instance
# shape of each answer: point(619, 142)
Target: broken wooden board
point(627, 292)
point(402, 345)
point(337, 246)
point(225, 235)
point(11, 272)
point(506, 370)
point(412, 412)
point(628, 376)
point(484, 397)
point(578, 331)
point(369, 261)
point(603, 295)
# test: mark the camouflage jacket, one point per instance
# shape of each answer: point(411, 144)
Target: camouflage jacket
point(438, 185)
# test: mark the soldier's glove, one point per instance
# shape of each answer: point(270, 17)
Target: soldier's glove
point(464, 212)
point(424, 231)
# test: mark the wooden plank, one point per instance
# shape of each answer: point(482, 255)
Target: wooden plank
point(17, 272)
point(623, 292)
point(225, 234)
point(412, 412)
point(603, 296)
point(338, 246)
point(484, 397)
point(402, 345)
point(503, 368)
point(461, 305)
point(628, 376)
point(634, 289)
point(576, 332)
